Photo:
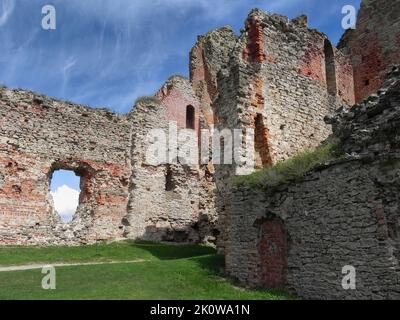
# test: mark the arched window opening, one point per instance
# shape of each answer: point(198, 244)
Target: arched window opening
point(330, 68)
point(262, 156)
point(190, 117)
point(65, 188)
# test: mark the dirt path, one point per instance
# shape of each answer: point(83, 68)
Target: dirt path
point(40, 266)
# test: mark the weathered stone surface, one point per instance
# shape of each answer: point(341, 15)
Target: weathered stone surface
point(276, 83)
point(39, 135)
point(164, 199)
point(278, 78)
point(122, 195)
point(342, 214)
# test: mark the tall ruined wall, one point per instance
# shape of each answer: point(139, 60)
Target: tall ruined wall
point(283, 77)
point(281, 71)
point(210, 54)
point(164, 198)
point(374, 45)
point(208, 58)
point(345, 213)
point(39, 135)
point(281, 80)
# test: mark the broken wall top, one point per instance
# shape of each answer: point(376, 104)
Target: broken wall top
point(372, 126)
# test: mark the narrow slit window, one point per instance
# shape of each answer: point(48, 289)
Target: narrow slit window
point(169, 181)
point(330, 68)
point(190, 117)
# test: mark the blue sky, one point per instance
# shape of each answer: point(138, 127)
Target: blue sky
point(61, 177)
point(106, 53)
point(65, 189)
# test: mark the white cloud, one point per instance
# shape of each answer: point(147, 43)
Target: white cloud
point(66, 69)
point(6, 9)
point(106, 53)
point(66, 202)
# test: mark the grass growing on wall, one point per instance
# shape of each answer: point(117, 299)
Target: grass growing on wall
point(288, 170)
point(147, 100)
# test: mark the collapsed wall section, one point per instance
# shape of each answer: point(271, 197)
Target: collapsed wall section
point(122, 195)
point(39, 135)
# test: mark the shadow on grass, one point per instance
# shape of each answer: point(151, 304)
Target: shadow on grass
point(207, 260)
point(173, 252)
point(214, 265)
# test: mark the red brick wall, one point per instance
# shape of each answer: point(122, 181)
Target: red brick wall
point(255, 48)
point(374, 45)
point(313, 66)
point(176, 95)
point(273, 249)
point(344, 78)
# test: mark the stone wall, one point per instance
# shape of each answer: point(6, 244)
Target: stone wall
point(301, 237)
point(283, 78)
point(280, 71)
point(344, 213)
point(176, 96)
point(278, 78)
point(39, 135)
point(276, 83)
point(164, 198)
point(208, 57)
point(123, 194)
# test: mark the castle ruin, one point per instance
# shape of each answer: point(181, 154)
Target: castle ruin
point(279, 78)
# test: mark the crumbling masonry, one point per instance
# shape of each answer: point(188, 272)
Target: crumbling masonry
point(277, 77)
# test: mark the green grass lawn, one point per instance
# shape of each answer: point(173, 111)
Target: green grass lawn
point(168, 272)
